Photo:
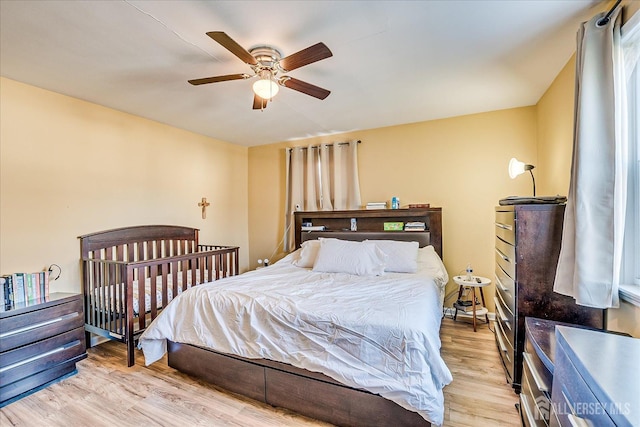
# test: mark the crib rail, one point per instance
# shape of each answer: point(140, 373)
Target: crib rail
point(111, 285)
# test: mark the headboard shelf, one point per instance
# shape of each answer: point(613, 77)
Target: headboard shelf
point(370, 225)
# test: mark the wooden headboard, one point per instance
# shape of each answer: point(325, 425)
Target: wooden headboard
point(370, 225)
point(136, 243)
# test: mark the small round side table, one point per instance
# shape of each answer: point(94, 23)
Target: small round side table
point(478, 282)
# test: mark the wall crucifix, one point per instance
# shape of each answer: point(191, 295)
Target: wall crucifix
point(203, 204)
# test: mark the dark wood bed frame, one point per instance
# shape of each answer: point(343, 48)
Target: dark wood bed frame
point(309, 393)
point(115, 261)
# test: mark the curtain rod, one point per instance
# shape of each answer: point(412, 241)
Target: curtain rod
point(317, 146)
point(605, 19)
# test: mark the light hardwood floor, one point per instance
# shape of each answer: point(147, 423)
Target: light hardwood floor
point(105, 392)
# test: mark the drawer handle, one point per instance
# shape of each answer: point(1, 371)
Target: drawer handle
point(537, 378)
point(576, 421)
point(502, 287)
point(504, 226)
point(503, 256)
point(503, 347)
point(38, 325)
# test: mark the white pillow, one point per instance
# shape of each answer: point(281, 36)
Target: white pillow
point(402, 257)
point(342, 256)
point(308, 254)
point(430, 262)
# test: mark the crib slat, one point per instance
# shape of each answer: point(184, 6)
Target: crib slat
point(130, 252)
point(153, 274)
point(165, 284)
point(174, 278)
point(185, 267)
point(129, 317)
point(224, 265)
point(142, 308)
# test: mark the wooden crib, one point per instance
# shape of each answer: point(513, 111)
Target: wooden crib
point(129, 274)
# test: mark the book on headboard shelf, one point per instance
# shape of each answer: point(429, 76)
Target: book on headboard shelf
point(419, 205)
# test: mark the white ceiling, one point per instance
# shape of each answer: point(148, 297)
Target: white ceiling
point(393, 62)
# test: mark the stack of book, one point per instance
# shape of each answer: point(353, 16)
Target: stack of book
point(311, 227)
point(466, 306)
point(23, 288)
point(415, 226)
point(376, 205)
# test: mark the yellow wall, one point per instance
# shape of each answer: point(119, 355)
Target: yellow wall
point(459, 164)
point(555, 133)
point(555, 146)
point(69, 167)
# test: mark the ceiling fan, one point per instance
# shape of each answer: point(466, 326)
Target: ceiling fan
point(266, 62)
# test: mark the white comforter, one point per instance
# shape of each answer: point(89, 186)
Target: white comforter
point(376, 333)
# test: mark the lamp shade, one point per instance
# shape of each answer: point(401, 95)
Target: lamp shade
point(266, 87)
point(517, 167)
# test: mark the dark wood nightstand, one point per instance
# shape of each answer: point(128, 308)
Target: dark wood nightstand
point(40, 343)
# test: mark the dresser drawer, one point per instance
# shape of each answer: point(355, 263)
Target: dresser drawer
point(573, 397)
point(540, 401)
point(37, 357)
point(506, 257)
point(506, 287)
point(505, 319)
point(505, 226)
point(505, 349)
point(27, 328)
point(529, 411)
point(542, 378)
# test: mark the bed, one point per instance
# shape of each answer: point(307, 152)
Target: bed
point(350, 348)
point(130, 274)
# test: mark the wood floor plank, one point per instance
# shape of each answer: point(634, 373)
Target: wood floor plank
point(105, 392)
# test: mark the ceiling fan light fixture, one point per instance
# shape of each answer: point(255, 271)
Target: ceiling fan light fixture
point(266, 87)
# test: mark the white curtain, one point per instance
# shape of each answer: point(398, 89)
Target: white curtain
point(591, 255)
point(323, 177)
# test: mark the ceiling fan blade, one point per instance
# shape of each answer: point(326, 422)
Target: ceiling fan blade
point(217, 79)
point(306, 56)
point(304, 87)
point(233, 47)
point(259, 103)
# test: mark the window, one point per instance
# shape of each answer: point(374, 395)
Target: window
point(630, 280)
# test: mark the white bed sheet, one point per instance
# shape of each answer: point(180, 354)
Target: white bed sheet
point(377, 333)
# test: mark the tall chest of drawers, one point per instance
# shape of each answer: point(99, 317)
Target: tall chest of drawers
point(40, 343)
point(527, 246)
